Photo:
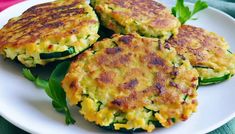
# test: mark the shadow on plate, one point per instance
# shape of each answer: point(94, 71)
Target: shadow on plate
point(15, 67)
point(43, 105)
point(45, 108)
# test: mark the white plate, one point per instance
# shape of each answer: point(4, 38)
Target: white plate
point(30, 109)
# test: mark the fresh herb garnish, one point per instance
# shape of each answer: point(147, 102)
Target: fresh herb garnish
point(183, 12)
point(53, 88)
point(56, 91)
point(35, 79)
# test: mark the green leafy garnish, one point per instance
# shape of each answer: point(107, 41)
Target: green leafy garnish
point(183, 12)
point(57, 107)
point(35, 79)
point(53, 89)
point(57, 93)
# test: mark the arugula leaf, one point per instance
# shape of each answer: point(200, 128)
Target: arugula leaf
point(35, 79)
point(54, 89)
point(183, 12)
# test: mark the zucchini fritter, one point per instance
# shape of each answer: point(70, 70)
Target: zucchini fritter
point(132, 82)
point(50, 31)
point(145, 17)
point(208, 53)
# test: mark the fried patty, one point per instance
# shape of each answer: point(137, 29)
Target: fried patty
point(50, 31)
point(145, 17)
point(132, 82)
point(207, 51)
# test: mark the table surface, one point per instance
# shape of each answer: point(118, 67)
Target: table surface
point(8, 128)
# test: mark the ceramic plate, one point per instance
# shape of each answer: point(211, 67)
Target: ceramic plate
point(29, 108)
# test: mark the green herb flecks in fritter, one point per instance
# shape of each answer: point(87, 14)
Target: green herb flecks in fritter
point(208, 53)
point(147, 18)
point(131, 83)
point(50, 31)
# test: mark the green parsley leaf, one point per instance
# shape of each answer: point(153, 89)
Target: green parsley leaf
point(27, 74)
point(199, 5)
point(57, 107)
point(35, 79)
point(183, 12)
point(57, 93)
point(54, 89)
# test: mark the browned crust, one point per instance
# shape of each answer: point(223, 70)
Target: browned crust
point(197, 43)
point(55, 19)
point(120, 53)
point(143, 7)
point(155, 15)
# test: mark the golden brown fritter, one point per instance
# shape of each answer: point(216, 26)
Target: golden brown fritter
point(207, 51)
point(146, 17)
point(132, 82)
point(47, 28)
